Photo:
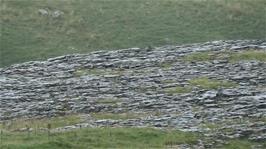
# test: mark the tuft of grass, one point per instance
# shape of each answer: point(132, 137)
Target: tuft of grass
point(42, 123)
point(168, 81)
point(249, 55)
point(178, 90)
point(100, 138)
point(26, 35)
point(199, 56)
point(108, 101)
point(238, 144)
point(205, 83)
point(166, 65)
point(115, 116)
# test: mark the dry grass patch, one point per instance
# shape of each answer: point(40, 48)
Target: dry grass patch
point(116, 116)
point(206, 83)
point(54, 122)
point(109, 101)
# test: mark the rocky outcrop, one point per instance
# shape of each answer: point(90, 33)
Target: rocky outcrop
point(137, 81)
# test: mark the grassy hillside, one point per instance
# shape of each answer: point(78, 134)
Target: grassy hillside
point(100, 138)
point(88, 25)
point(36, 135)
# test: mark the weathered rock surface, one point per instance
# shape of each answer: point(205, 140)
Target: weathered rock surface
point(134, 81)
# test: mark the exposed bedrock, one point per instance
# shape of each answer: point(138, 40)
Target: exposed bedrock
point(218, 94)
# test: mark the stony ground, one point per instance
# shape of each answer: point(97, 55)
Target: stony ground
point(208, 88)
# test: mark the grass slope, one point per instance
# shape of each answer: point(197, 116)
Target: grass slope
point(99, 138)
point(89, 25)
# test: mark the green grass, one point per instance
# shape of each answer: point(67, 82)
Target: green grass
point(107, 137)
point(205, 83)
point(116, 116)
point(166, 65)
point(89, 25)
point(199, 56)
point(249, 55)
point(42, 123)
point(240, 144)
point(100, 138)
point(201, 82)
